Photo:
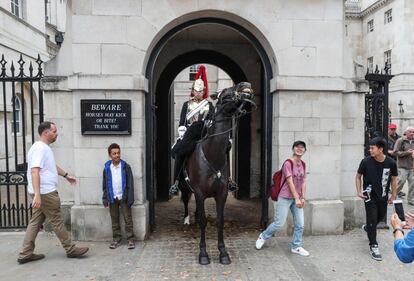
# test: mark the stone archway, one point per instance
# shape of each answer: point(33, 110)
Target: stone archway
point(230, 40)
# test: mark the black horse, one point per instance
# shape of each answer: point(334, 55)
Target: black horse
point(206, 169)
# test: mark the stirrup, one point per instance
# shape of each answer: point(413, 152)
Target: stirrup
point(232, 185)
point(174, 189)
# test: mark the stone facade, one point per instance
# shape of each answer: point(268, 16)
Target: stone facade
point(305, 59)
point(109, 45)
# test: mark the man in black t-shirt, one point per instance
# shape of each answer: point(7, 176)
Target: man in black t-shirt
point(378, 172)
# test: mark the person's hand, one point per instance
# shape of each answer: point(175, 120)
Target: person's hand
point(395, 221)
point(37, 201)
point(409, 219)
point(71, 179)
point(298, 203)
point(303, 202)
point(391, 199)
point(361, 195)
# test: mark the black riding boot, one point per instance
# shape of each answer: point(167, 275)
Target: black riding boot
point(178, 163)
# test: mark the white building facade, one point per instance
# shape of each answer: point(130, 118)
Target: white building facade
point(382, 31)
point(30, 31)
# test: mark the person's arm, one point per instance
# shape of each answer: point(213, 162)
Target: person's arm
point(394, 180)
point(104, 190)
point(130, 182)
point(37, 201)
point(288, 171)
point(303, 198)
point(404, 247)
point(69, 178)
point(292, 189)
point(401, 153)
point(358, 186)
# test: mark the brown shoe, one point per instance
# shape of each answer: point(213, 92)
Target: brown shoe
point(77, 252)
point(32, 257)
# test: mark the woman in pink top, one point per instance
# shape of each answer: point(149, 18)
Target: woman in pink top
point(291, 197)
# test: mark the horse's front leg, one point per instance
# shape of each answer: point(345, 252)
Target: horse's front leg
point(224, 257)
point(203, 257)
point(185, 196)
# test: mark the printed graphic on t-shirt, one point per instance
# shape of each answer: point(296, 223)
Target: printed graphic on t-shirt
point(384, 180)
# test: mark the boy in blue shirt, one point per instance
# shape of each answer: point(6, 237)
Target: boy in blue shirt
point(118, 193)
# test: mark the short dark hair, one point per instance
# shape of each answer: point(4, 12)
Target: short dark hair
point(113, 146)
point(299, 142)
point(378, 142)
point(44, 126)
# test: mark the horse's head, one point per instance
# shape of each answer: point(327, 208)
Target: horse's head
point(233, 100)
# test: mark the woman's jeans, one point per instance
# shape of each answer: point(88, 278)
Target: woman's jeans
point(281, 213)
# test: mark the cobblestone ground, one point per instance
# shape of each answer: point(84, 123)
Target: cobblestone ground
point(172, 250)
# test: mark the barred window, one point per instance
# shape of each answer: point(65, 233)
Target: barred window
point(370, 26)
point(388, 16)
point(193, 71)
point(15, 8)
point(17, 115)
point(387, 60)
point(48, 15)
point(370, 64)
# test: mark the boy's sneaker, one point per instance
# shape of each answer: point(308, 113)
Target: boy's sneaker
point(375, 253)
point(260, 242)
point(300, 251)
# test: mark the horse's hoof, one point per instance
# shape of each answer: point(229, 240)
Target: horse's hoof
point(203, 260)
point(225, 259)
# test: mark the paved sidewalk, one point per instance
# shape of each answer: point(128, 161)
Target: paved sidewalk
point(343, 257)
point(172, 250)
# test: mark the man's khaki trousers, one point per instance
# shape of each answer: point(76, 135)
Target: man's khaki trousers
point(50, 209)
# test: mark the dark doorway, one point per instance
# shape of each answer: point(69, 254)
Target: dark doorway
point(163, 101)
point(165, 63)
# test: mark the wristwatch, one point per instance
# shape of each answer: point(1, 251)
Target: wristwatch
point(65, 175)
point(398, 229)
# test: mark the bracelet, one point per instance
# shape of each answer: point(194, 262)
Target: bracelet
point(398, 229)
point(66, 174)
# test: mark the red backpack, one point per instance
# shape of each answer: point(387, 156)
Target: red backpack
point(277, 180)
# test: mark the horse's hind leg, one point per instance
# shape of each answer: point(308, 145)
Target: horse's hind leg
point(185, 196)
point(203, 257)
point(224, 257)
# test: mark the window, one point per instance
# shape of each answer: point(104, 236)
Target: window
point(193, 71)
point(370, 64)
point(48, 15)
point(387, 60)
point(17, 115)
point(16, 8)
point(370, 26)
point(388, 16)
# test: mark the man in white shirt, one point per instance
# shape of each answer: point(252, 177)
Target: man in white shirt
point(42, 176)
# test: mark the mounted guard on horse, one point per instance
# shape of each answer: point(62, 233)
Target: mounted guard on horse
point(195, 114)
point(205, 172)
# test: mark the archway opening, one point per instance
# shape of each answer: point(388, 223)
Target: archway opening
point(228, 47)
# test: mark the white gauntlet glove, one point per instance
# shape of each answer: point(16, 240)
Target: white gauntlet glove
point(181, 131)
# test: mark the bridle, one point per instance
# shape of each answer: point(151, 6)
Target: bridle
point(240, 112)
